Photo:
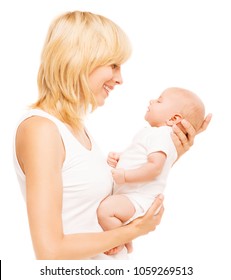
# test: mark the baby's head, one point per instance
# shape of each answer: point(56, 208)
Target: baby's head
point(173, 105)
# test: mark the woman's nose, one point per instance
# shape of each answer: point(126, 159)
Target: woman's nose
point(117, 77)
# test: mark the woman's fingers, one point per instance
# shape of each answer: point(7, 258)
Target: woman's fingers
point(152, 217)
point(190, 132)
point(156, 207)
point(180, 140)
point(183, 137)
point(205, 123)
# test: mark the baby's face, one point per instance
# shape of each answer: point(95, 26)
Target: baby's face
point(164, 108)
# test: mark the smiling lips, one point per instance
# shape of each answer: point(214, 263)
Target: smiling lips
point(108, 88)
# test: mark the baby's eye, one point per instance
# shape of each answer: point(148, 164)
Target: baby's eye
point(159, 99)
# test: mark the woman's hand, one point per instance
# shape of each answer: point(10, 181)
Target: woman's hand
point(183, 141)
point(152, 218)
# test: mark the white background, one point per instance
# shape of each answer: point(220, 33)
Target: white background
point(175, 43)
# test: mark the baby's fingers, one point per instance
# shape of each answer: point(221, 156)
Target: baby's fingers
point(112, 163)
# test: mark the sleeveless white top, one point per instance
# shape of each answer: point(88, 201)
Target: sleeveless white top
point(86, 178)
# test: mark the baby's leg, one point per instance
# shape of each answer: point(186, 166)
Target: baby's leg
point(114, 210)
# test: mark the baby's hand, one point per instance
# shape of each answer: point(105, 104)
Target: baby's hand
point(118, 176)
point(113, 159)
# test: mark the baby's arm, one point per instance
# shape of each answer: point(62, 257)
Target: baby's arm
point(149, 171)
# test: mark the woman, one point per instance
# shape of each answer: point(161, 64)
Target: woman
point(61, 171)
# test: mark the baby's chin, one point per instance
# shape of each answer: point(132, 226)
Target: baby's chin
point(146, 119)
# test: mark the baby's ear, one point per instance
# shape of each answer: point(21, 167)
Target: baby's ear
point(174, 120)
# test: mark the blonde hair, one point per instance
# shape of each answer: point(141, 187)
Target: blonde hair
point(193, 109)
point(76, 43)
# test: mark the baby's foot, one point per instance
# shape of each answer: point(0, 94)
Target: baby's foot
point(129, 247)
point(114, 251)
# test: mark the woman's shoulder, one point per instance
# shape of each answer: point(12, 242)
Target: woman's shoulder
point(35, 130)
point(38, 137)
point(36, 125)
point(37, 120)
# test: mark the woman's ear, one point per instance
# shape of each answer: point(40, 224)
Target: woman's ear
point(174, 120)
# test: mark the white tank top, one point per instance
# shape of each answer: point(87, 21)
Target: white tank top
point(86, 178)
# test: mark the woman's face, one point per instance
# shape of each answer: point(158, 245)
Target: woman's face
point(103, 80)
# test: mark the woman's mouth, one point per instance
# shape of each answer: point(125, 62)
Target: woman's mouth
point(107, 88)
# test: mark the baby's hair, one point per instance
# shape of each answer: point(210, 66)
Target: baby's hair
point(194, 109)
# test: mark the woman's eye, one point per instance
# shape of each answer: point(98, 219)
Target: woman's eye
point(114, 66)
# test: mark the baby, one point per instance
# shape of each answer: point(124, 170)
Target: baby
point(140, 172)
